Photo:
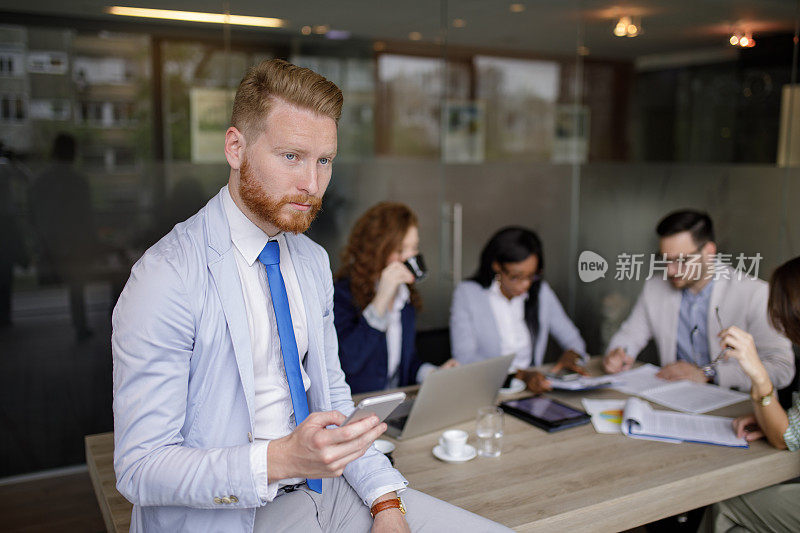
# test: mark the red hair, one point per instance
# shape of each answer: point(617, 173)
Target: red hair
point(375, 235)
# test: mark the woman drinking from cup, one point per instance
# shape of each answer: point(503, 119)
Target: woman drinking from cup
point(375, 302)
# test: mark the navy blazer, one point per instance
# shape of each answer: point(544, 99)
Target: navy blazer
point(362, 349)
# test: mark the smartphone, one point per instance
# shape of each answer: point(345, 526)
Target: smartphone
point(565, 375)
point(381, 406)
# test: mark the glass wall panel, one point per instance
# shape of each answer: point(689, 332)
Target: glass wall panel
point(477, 115)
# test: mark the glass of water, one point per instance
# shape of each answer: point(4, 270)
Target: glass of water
point(489, 428)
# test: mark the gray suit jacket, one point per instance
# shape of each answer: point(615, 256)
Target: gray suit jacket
point(742, 302)
point(184, 385)
point(473, 330)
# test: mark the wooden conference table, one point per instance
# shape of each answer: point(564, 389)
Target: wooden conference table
point(575, 479)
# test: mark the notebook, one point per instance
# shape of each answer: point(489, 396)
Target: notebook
point(641, 421)
point(686, 396)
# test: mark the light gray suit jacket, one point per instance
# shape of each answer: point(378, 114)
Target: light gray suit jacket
point(742, 302)
point(183, 379)
point(473, 331)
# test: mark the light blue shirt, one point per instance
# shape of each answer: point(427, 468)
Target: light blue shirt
point(693, 325)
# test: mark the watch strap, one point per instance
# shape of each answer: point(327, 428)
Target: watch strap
point(391, 503)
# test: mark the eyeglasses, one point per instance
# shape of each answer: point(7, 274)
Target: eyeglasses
point(718, 358)
point(683, 258)
point(516, 278)
point(725, 350)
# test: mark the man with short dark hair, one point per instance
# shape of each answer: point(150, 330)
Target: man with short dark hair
point(685, 312)
point(229, 399)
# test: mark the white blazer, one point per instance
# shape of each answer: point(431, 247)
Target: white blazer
point(742, 302)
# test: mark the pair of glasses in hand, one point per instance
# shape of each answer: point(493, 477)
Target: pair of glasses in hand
point(725, 350)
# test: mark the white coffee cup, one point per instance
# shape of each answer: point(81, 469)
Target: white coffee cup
point(453, 442)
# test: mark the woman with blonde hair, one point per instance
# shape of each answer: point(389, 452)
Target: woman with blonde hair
point(375, 302)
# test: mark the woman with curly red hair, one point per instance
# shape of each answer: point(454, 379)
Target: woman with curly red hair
point(375, 303)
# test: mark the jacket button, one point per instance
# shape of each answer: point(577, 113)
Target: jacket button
point(218, 500)
point(249, 436)
point(234, 499)
point(225, 499)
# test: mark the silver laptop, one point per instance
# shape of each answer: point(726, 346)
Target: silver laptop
point(448, 397)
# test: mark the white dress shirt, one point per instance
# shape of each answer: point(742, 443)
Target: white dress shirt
point(274, 415)
point(394, 332)
point(391, 323)
point(515, 337)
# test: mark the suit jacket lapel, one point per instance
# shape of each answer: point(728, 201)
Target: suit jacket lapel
point(672, 309)
point(492, 331)
point(222, 265)
point(312, 301)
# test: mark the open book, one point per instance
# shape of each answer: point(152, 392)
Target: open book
point(686, 396)
point(641, 421)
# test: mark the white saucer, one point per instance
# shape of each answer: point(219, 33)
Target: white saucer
point(517, 385)
point(440, 454)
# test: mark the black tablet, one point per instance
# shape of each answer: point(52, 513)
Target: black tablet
point(546, 413)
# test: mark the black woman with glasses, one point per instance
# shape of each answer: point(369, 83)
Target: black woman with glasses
point(684, 307)
point(508, 308)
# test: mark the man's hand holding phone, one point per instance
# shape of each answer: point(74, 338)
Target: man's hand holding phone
point(313, 450)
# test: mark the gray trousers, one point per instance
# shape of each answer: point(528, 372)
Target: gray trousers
point(339, 508)
point(772, 509)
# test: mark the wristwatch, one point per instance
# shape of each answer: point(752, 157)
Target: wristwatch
point(391, 503)
point(709, 372)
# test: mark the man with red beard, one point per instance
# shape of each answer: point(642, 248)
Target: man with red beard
point(228, 394)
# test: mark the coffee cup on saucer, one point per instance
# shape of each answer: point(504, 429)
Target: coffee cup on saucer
point(453, 442)
point(453, 447)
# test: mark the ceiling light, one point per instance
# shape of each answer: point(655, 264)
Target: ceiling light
point(516, 8)
point(742, 39)
point(621, 29)
point(321, 29)
point(415, 36)
point(305, 30)
point(628, 27)
point(459, 23)
point(196, 16)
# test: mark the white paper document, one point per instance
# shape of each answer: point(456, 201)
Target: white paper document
point(638, 379)
point(686, 396)
point(641, 421)
point(692, 397)
point(582, 383)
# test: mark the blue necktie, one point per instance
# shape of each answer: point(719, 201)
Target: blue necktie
point(270, 256)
